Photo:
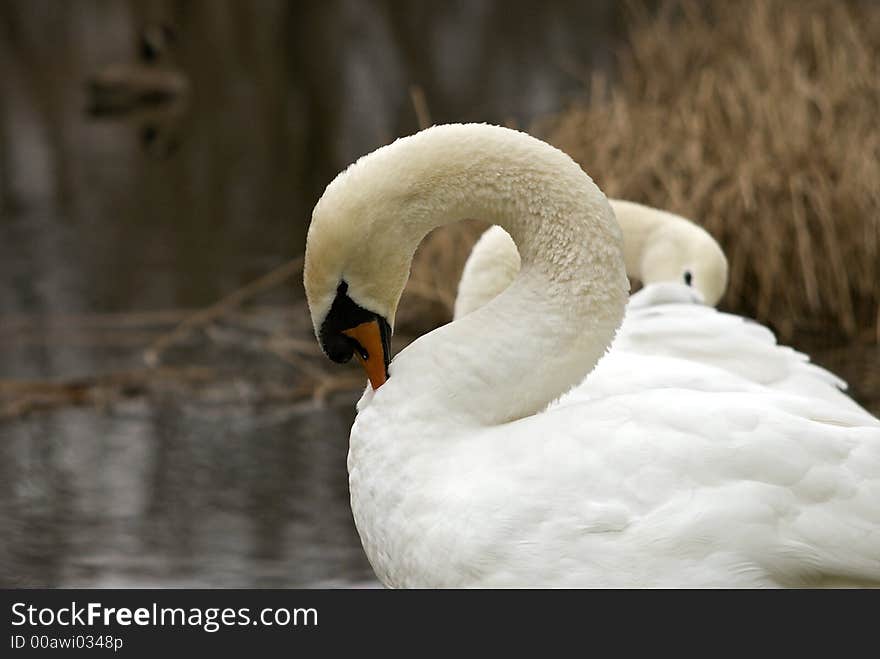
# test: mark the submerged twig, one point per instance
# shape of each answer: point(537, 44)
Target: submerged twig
point(31, 395)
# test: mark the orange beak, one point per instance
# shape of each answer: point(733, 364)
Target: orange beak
point(372, 355)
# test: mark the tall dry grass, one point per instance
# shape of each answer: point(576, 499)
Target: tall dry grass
point(760, 120)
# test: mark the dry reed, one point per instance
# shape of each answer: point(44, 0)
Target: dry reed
point(760, 120)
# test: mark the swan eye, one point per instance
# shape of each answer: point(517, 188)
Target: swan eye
point(688, 278)
point(361, 351)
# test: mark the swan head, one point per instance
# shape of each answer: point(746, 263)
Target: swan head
point(355, 269)
point(687, 256)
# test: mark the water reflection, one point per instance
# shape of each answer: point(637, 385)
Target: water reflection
point(168, 493)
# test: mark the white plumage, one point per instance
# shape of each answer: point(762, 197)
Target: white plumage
point(465, 472)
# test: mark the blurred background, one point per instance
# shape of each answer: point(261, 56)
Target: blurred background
point(165, 417)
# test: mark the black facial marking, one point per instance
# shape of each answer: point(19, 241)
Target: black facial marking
point(688, 277)
point(345, 314)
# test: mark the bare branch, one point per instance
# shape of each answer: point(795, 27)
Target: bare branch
point(226, 304)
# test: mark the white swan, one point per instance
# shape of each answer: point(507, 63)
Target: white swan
point(680, 264)
point(459, 479)
point(658, 246)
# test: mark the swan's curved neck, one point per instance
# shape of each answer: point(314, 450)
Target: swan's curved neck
point(646, 228)
point(638, 227)
point(512, 357)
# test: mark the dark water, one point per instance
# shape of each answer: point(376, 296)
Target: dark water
point(220, 480)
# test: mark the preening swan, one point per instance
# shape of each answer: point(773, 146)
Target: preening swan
point(658, 246)
point(680, 264)
point(460, 472)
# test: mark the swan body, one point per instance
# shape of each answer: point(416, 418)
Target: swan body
point(658, 247)
point(470, 467)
